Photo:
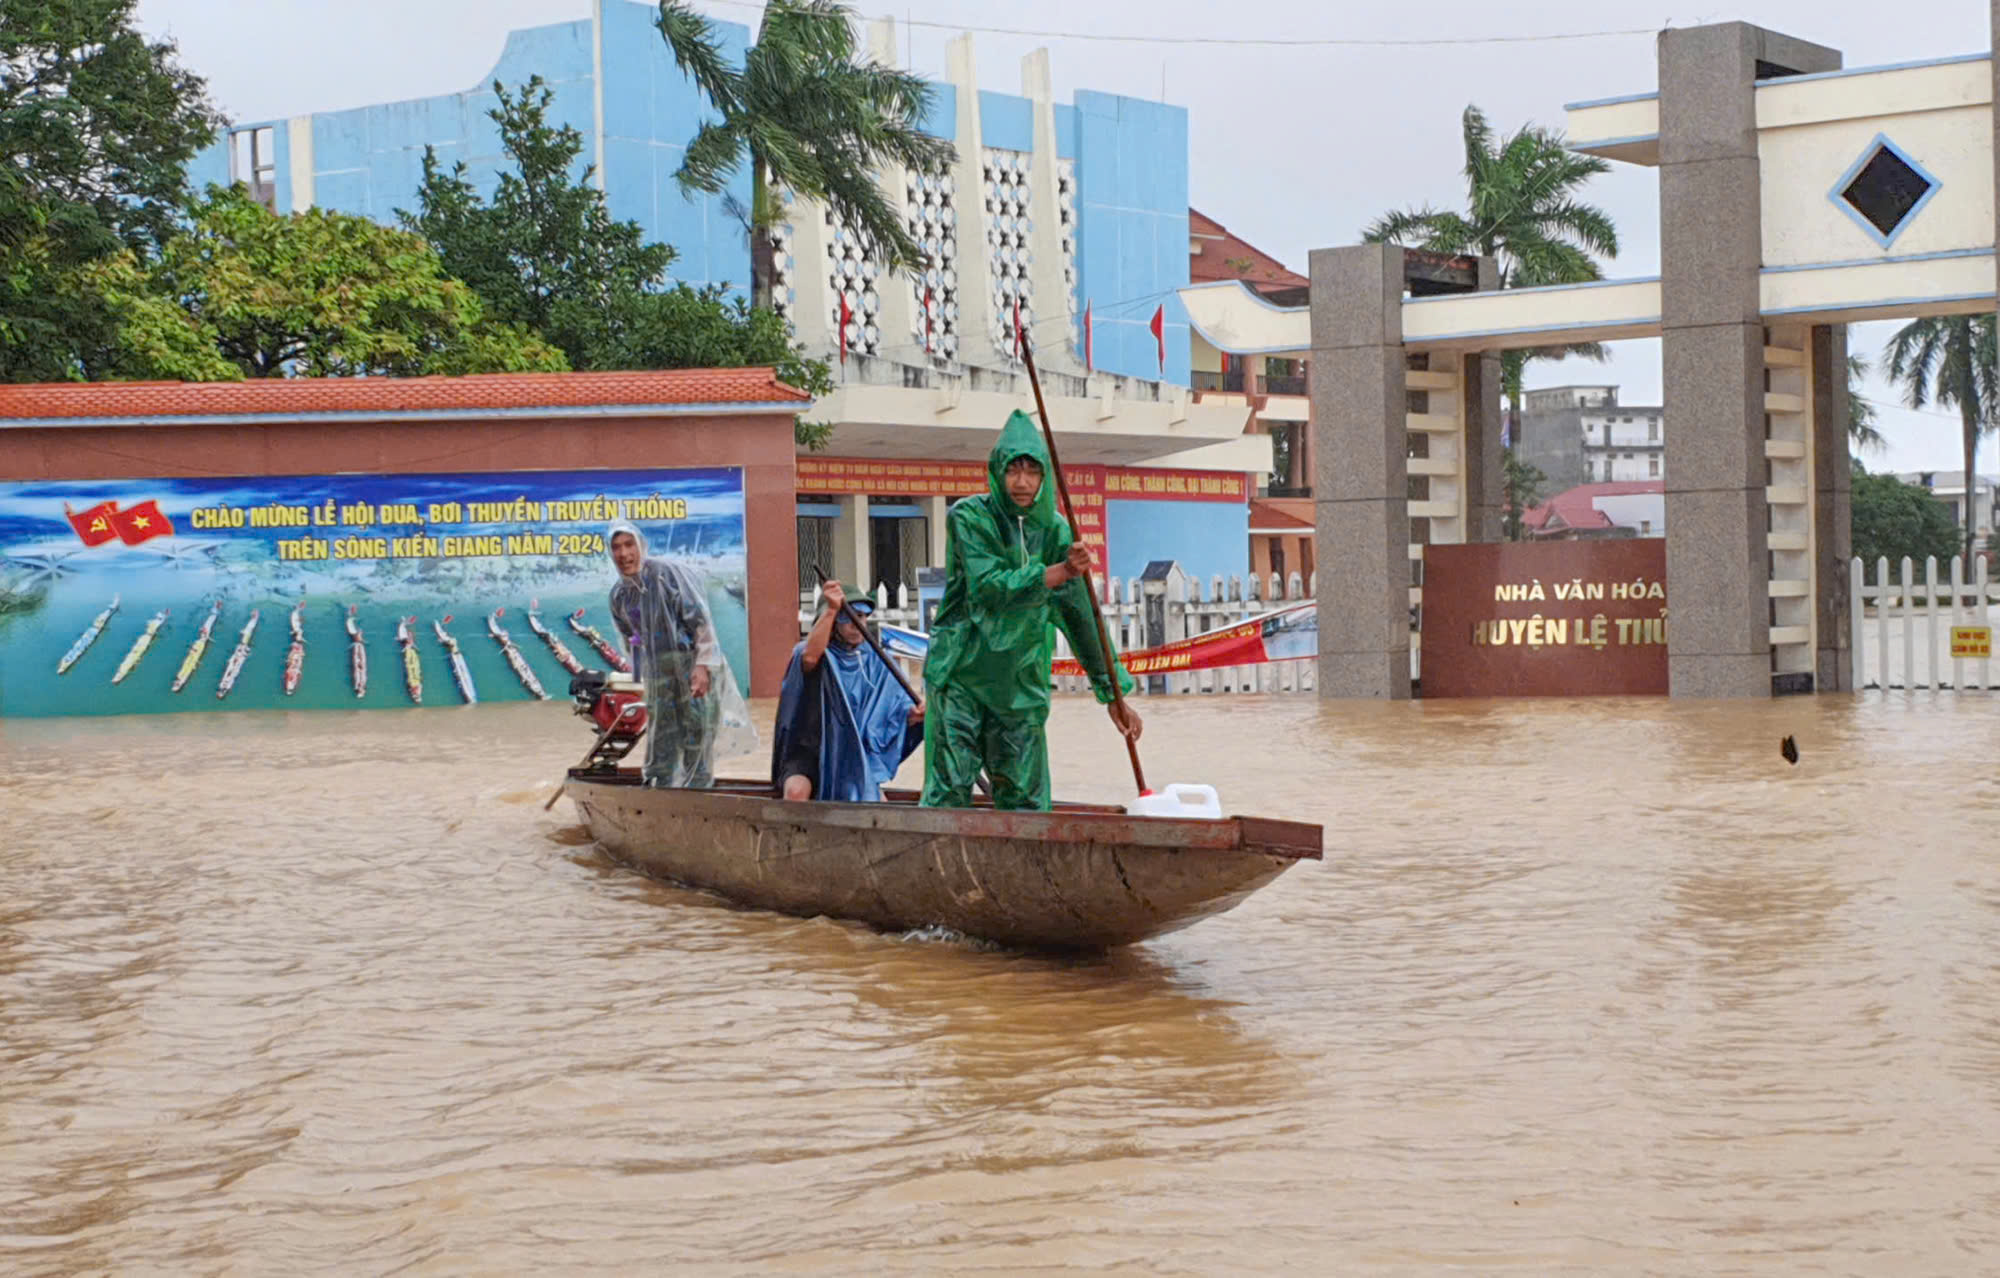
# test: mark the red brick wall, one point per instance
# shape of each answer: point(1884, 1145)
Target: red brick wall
point(761, 445)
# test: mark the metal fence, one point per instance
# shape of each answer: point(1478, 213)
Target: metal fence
point(1143, 614)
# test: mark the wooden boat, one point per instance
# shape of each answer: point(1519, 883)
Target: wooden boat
point(1078, 878)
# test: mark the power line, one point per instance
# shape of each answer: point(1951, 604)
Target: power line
point(1253, 42)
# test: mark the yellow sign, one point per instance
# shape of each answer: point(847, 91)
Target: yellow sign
point(1971, 641)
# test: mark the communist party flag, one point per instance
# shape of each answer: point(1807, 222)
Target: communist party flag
point(95, 525)
point(141, 523)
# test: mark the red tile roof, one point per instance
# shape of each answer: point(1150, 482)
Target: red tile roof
point(289, 397)
point(1218, 246)
point(1576, 507)
point(1274, 514)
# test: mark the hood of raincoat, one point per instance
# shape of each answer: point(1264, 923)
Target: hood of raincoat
point(625, 526)
point(1021, 437)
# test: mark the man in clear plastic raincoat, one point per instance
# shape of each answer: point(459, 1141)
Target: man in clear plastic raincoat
point(693, 708)
point(1012, 571)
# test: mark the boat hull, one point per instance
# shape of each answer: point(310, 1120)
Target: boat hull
point(1078, 878)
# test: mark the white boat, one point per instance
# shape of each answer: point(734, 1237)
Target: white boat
point(87, 638)
point(459, 673)
point(513, 655)
point(357, 655)
point(237, 658)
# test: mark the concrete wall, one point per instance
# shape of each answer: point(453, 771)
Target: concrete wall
point(1131, 171)
point(1132, 179)
point(761, 445)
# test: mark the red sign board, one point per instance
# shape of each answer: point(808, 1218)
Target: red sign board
point(1089, 486)
point(1545, 619)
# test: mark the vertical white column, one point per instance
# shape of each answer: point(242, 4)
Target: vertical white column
point(299, 143)
point(975, 272)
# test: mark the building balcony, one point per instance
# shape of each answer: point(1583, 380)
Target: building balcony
point(1231, 381)
point(1295, 385)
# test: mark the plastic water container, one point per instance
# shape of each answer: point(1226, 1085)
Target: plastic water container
point(1187, 802)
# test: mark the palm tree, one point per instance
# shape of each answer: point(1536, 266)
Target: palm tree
point(1521, 209)
point(1861, 432)
point(810, 118)
point(1950, 359)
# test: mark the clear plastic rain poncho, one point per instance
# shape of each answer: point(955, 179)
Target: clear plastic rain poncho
point(663, 614)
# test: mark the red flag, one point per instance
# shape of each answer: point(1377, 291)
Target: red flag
point(95, 526)
point(1017, 328)
point(1088, 366)
point(1159, 327)
point(846, 314)
point(927, 320)
point(142, 523)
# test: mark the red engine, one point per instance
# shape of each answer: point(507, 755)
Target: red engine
point(616, 706)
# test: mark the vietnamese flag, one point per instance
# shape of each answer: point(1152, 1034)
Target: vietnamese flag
point(95, 525)
point(141, 523)
point(1159, 329)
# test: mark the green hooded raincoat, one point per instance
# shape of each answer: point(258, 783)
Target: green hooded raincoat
point(987, 678)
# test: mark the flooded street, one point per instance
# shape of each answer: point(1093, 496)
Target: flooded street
point(1581, 987)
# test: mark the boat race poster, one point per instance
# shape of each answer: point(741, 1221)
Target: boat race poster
point(339, 591)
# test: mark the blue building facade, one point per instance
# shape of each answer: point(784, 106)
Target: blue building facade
point(1116, 219)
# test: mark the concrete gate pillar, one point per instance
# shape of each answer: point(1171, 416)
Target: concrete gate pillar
point(1718, 481)
point(1361, 475)
point(1407, 454)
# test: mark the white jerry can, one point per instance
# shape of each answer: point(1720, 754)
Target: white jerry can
point(1182, 800)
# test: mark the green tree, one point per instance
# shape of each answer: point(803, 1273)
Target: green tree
point(1894, 519)
point(1950, 359)
point(809, 117)
point(1522, 210)
point(544, 252)
point(96, 128)
point(1522, 484)
point(1861, 417)
point(314, 294)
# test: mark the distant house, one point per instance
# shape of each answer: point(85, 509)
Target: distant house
point(1624, 508)
point(1583, 435)
point(1948, 486)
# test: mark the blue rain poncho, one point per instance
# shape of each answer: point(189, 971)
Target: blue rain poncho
point(863, 718)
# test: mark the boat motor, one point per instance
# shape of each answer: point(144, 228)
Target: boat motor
point(616, 706)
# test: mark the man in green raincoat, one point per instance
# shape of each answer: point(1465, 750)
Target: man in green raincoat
point(1011, 569)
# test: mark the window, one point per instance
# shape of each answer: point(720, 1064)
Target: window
point(1652, 468)
point(1645, 528)
point(1652, 430)
point(253, 162)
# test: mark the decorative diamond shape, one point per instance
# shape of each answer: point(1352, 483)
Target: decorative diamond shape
point(1884, 190)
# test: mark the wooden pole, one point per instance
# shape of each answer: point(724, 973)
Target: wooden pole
point(1089, 583)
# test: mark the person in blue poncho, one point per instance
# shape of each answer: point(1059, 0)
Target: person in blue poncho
point(844, 724)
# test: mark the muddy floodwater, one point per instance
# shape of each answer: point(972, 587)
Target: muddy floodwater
point(1581, 987)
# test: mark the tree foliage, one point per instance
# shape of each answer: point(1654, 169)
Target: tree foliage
point(1894, 519)
point(314, 294)
point(97, 125)
point(810, 117)
point(1950, 360)
point(1522, 484)
point(1522, 209)
point(544, 252)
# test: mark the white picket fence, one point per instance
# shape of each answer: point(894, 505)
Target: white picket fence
point(1189, 611)
point(1902, 624)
